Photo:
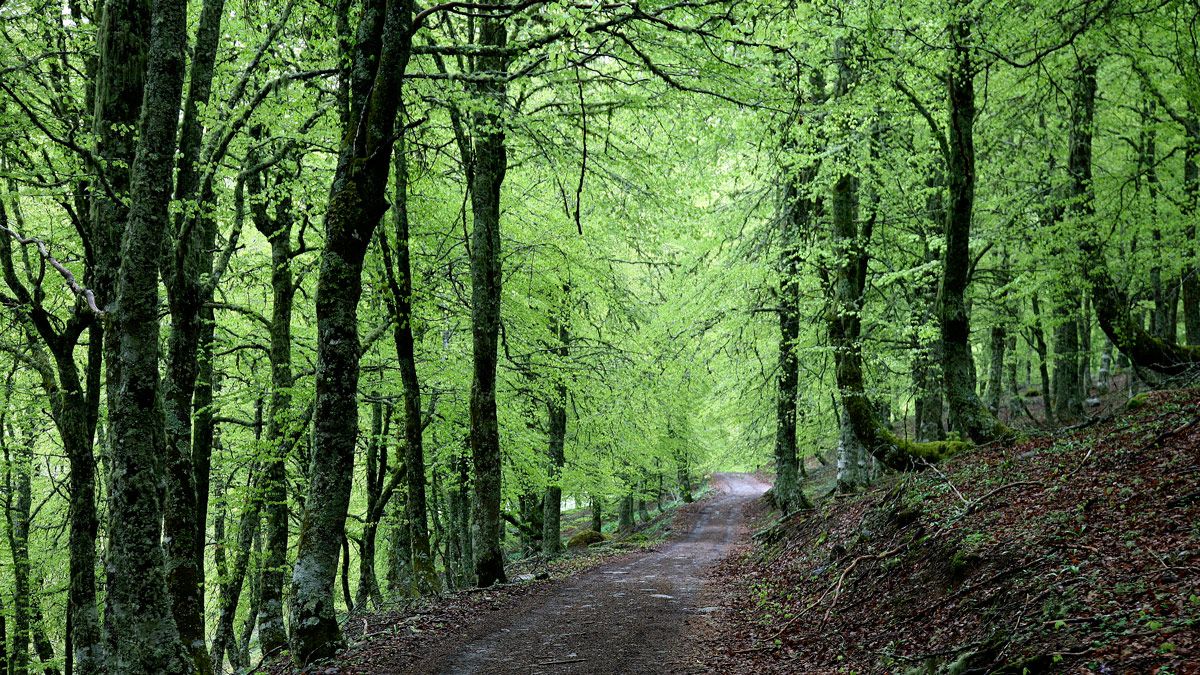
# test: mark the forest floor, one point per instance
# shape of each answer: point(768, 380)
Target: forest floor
point(629, 614)
point(1073, 552)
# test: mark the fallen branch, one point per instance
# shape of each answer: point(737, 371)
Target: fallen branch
point(836, 589)
point(1168, 433)
point(974, 506)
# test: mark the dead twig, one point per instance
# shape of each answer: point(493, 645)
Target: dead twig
point(974, 506)
point(836, 589)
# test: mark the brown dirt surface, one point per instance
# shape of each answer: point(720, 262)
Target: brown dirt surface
point(1077, 552)
point(627, 615)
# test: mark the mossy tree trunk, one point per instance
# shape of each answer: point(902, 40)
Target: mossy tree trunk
point(1112, 305)
point(187, 277)
point(379, 493)
point(489, 162)
point(283, 428)
point(356, 205)
point(122, 45)
point(231, 583)
point(967, 412)
point(141, 633)
point(400, 282)
point(787, 489)
point(556, 413)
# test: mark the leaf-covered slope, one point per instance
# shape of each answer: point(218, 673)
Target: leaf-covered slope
point(1079, 551)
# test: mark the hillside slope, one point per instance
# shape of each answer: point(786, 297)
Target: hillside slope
point(1079, 552)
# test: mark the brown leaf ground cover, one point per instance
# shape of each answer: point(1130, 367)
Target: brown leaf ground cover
point(1078, 552)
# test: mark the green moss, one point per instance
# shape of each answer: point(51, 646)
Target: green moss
point(585, 538)
point(1137, 401)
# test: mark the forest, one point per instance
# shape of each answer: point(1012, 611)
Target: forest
point(317, 309)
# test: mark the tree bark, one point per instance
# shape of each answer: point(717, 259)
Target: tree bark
point(401, 283)
point(185, 276)
point(141, 633)
point(17, 503)
point(224, 640)
point(967, 412)
point(1190, 286)
point(597, 514)
point(489, 164)
point(122, 46)
point(377, 497)
point(283, 426)
point(1043, 352)
point(556, 413)
point(356, 205)
point(787, 489)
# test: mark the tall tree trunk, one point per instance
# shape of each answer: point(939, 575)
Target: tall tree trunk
point(1043, 352)
point(401, 283)
point(625, 513)
point(283, 426)
point(224, 640)
point(490, 162)
point(122, 46)
point(927, 356)
point(141, 633)
point(967, 412)
point(377, 497)
point(356, 205)
point(598, 513)
point(998, 338)
point(185, 276)
point(556, 413)
point(1112, 306)
point(399, 561)
point(1190, 286)
point(1068, 406)
point(17, 503)
point(787, 489)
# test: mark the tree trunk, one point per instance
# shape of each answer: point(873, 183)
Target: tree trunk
point(399, 561)
point(356, 204)
point(17, 502)
point(1190, 286)
point(377, 497)
point(488, 168)
point(186, 277)
point(927, 357)
point(141, 633)
point(995, 383)
point(224, 640)
point(625, 513)
point(1068, 406)
point(1112, 306)
point(122, 46)
point(556, 412)
point(787, 490)
point(283, 426)
point(597, 514)
point(401, 283)
point(967, 412)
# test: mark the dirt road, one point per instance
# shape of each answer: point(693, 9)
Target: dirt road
point(622, 618)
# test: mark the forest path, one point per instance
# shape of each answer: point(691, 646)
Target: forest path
point(627, 617)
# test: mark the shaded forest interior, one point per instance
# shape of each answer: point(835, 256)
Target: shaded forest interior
point(316, 308)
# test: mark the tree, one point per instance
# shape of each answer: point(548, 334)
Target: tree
point(356, 205)
point(140, 631)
